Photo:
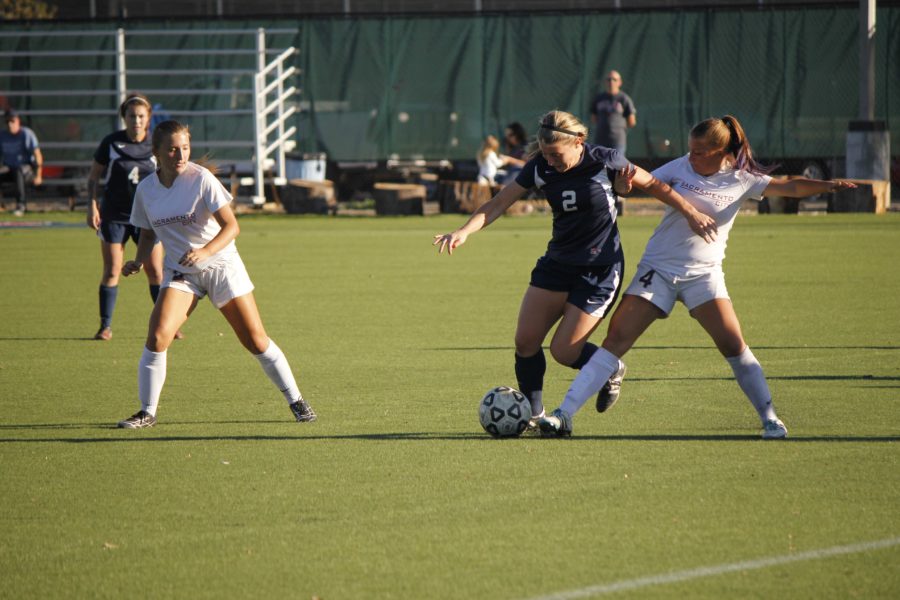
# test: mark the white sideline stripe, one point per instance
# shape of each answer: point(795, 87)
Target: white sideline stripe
point(749, 565)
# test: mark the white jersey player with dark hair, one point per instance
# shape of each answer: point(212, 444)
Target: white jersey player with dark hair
point(577, 281)
point(716, 177)
point(188, 209)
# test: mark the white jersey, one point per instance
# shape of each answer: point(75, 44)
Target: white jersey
point(182, 215)
point(488, 166)
point(673, 247)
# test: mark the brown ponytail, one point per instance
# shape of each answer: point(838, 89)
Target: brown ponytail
point(726, 133)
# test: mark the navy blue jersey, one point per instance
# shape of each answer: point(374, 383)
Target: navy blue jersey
point(583, 203)
point(127, 163)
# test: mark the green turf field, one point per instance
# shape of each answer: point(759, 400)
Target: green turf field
point(396, 492)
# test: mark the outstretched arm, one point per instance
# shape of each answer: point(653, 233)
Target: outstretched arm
point(801, 187)
point(700, 223)
point(481, 218)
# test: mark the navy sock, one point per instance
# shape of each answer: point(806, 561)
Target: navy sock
point(586, 353)
point(107, 304)
point(530, 375)
point(154, 292)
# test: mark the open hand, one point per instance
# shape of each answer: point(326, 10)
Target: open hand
point(841, 184)
point(193, 257)
point(703, 225)
point(449, 241)
point(624, 178)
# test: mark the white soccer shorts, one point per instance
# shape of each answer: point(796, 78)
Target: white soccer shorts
point(663, 289)
point(222, 282)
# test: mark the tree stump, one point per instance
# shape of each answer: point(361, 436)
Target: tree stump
point(301, 196)
point(399, 198)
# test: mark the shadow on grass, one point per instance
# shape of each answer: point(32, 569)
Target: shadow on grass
point(777, 378)
point(48, 338)
point(130, 436)
point(702, 347)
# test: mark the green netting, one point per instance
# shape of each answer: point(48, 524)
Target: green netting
point(431, 87)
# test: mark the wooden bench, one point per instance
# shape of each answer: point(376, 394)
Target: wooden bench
point(399, 198)
point(462, 196)
point(301, 196)
point(871, 196)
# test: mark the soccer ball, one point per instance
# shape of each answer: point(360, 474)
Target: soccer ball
point(504, 412)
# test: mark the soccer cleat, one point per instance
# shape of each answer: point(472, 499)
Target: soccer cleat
point(609, 393)
point(774, 429)
point(138, 420)
point(533, 423)
point(104, 333)
point(302, 411)
point(558, 424)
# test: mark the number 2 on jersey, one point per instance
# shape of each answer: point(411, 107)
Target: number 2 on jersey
point(568, 203)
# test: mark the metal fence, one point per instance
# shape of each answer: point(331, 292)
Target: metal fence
point(234, 91)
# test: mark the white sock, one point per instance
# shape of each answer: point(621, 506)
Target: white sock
point(750, 377)
point(590, 379)
point(277, 368)
point(151, 377)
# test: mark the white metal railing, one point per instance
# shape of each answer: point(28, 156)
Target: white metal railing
point(272, 97)
point(265, 122)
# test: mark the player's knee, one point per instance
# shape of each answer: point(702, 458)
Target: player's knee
point(152, 272)
point(111, 273)
point(617, 341)
point(255, 341)
point(527, 345)
point(159, 340)
point(564, 354)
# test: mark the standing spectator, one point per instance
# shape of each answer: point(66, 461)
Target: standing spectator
point(22, 159)
point(122, 160)
point(612, 114)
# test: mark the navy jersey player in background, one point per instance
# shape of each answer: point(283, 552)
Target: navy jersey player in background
point(578, 279)
point(122, 159)
point(716, 177)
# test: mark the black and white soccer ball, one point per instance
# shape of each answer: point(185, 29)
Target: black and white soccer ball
point(504, 412)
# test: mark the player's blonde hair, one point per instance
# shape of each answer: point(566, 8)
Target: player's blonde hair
point(557, 126)
point(727, 134)
point(490, 144)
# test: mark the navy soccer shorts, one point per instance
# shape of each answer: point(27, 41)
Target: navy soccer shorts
point(593, 289)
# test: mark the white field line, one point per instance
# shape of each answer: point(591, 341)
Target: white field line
point(748, 565)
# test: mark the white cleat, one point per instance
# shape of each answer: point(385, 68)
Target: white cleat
point(610, 391)
point(533, 426)
point(774, 429)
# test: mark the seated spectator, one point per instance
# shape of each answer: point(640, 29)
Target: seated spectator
point(22, 161)
point(490, 162)
point(516, 141)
